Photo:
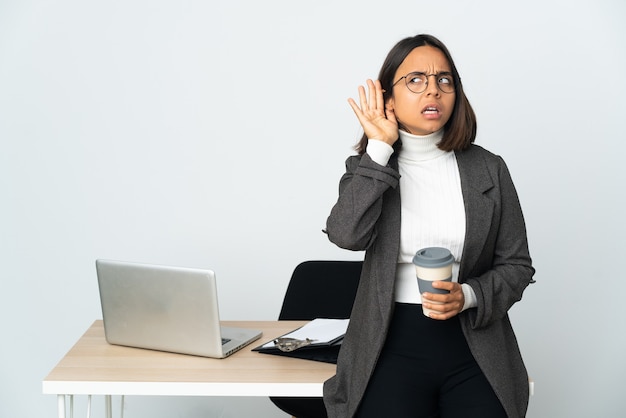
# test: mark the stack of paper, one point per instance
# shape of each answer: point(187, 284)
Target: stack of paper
point(322, 331)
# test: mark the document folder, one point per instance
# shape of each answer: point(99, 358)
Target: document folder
point(318, 340)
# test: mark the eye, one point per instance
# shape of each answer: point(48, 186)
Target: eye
point(445, 79)
point(415, 79)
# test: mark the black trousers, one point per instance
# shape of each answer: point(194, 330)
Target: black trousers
point(426, 370)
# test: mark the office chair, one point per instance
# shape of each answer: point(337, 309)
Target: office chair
point(317, 289)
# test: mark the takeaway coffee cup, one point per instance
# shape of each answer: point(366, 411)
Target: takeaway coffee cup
point(432, 264)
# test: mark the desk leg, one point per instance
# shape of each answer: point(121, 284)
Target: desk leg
point(107, 406)
point(61, 406)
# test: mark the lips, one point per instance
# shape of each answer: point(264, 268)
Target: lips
point(430, 110)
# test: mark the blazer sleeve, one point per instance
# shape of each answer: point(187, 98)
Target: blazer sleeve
point(506, 266)
point(352, 221)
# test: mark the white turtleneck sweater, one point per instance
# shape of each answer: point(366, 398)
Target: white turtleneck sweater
point(433, 213)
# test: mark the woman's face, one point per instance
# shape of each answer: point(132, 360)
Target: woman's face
point(426, 112)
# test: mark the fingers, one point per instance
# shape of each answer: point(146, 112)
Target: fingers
point(447, 305)
point(378, 92)
point(355, 107)
point(363, 98)
point(450, 286)
point(372, 100)
point(375, 93)
point(443, 311)
point(377, 121)
point(363, 116)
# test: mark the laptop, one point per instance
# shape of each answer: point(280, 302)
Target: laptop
point(165, 308)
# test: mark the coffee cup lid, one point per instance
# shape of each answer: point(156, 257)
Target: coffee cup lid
point(433, 257)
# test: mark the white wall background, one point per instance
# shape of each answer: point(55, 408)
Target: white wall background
point(213, 134)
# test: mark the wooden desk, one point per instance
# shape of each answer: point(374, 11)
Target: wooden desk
point(94, 367)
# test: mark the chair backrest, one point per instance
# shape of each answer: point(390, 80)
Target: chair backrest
point(321, 289)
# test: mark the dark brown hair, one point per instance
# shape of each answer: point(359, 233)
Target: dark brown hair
point(460, 130)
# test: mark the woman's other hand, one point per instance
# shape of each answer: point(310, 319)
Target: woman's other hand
point(449, 304)
point(378, 121)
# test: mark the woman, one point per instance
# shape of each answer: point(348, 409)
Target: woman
point(418, 181)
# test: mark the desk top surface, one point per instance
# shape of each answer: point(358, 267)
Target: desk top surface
point(92, 366)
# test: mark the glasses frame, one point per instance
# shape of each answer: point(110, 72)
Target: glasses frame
point(436, 75)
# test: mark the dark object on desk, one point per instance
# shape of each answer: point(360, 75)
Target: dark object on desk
point(324, 354)
point(319, 340)
point(318, 289)
point(307, 349)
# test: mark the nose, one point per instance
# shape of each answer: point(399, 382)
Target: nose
point(431, 85)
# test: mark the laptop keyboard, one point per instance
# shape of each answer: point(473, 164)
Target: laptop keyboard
point(225, 340)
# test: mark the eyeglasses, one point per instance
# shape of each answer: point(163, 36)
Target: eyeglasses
point(286, 344)
point(418, 82)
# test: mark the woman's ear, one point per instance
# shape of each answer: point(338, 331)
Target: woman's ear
point(389, 103)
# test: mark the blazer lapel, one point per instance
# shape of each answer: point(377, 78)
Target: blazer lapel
point(475, 182)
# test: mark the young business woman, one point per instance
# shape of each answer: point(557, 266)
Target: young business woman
point(419, 181)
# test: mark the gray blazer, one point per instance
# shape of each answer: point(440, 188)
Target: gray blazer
point(496, 264)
